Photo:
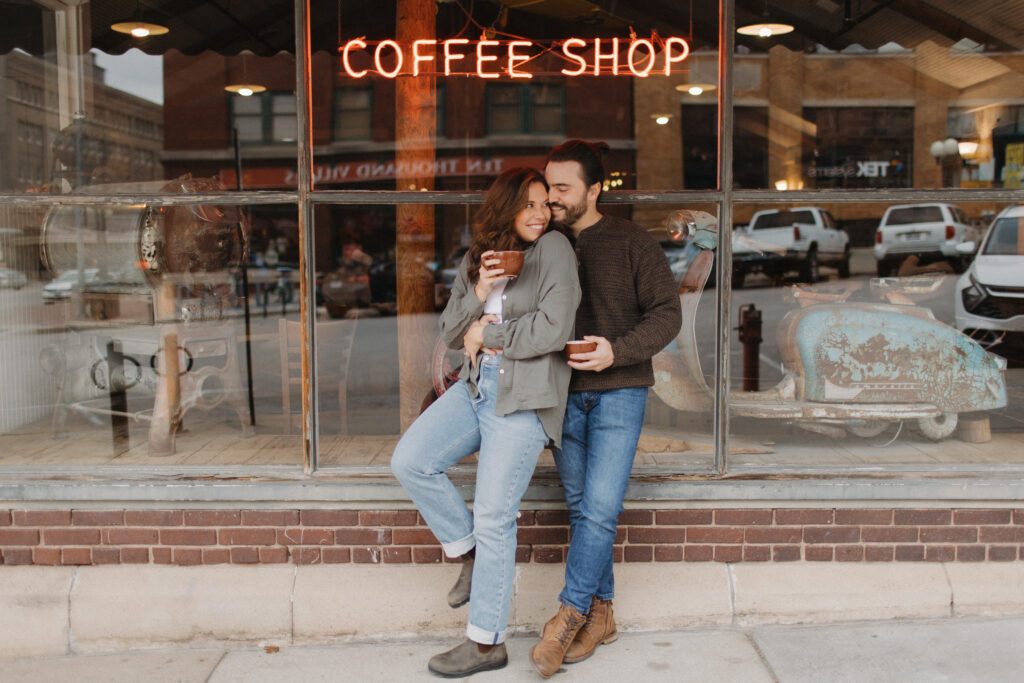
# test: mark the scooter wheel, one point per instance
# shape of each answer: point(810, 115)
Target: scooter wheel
point(866, 429)
point(938, 428)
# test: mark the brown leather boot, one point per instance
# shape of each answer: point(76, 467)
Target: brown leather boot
point(556, 637)
point(598, 630)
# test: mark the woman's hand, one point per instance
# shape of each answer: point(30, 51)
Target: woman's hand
point(473, 340)
point(488, 275)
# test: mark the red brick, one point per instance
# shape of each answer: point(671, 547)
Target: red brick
point(1018, 516)
point(69, 556)
point(636, 517)
point(818, 553)
point(939, 553)
point(909, 553)
point(728, 553)
point(366, 555)
point(253, 536)
point(698, 553)
point(801, 516)
point(153, 517)
point(388, 518)
point(361, 536)
point(245, 555)
point(832, 534)
point(216, 555)
point(301, 555)
point(620, 535)
point(427, 554)
point(930, 517)
point(865, 516)
point(773, 535)
point(543, 535)
point(42, 517)
point(849, 553)
point(878, 553)
point(638, 553)
point(270, 517)
point(785, 553)
point(949, 534)
point(1002, 553)
point(714, 534)
point(683, 517)
point(106, 556)
point(275, 555)
point(71, 536)
point(992, 534)
point(668, 553)
point(413, 537)
point(888, 534)
point(393, 555)
point(213, 517)
point(334, 555)
point(970, 553)
point(547, 554)
point(19, 536)
point(525, 518)
point(757, 553)
point(188, 557)
point(657, 534)
point(131, 536)
point(522, 554)
point(616, 553)
point(188, 537)
point(17, 555)
point(982, 516)
point(162, 555)
point(329, 518)
point(304, 536)
point(97, 517)
point(137, 555)
point(48, 556)
point(551, 517)
point(5, 518)
point(743, 517)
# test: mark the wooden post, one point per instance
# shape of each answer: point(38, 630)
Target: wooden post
point(167, 403)
point(414, 157)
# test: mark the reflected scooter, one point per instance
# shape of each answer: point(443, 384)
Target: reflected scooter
point(852, 367)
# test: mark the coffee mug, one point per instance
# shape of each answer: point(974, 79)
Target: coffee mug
point(579, 346)
point(510, 261)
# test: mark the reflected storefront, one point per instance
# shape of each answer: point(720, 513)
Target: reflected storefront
point(236, 236)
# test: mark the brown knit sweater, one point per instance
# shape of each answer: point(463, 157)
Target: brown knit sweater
point(629, 297)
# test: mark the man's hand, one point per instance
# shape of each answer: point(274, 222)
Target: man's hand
point(473, 340)
point(597, 360)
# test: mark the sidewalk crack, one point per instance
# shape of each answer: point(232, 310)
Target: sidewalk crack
point(216, 666)
point(760, 655)
point(71, 589)
point(949, 583)
point(732, 593)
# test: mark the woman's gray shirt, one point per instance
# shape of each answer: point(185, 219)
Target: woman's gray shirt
point(538, 310)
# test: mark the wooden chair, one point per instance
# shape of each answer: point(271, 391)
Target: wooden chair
point(334, 348)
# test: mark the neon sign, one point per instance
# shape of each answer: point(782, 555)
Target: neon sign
point(495, 58)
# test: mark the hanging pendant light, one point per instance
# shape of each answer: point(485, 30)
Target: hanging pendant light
point(766, 28)
point(245, 86)
point(139, 27)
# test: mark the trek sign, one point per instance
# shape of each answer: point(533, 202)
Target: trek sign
point(639, 57)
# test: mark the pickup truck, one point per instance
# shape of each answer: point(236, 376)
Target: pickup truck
point(777, 241)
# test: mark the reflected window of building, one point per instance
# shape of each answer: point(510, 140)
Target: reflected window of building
point(353, 113)
point(264, 118)
point(531, 108)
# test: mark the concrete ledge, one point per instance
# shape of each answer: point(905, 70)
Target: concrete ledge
point(56, 611)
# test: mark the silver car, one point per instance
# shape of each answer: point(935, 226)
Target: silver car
point(12, 279)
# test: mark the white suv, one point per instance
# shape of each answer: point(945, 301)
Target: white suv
point(929, 231)
point(989, 299)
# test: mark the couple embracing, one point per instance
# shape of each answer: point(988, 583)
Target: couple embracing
point(596, 278)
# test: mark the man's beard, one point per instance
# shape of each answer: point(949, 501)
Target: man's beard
point(572, 214)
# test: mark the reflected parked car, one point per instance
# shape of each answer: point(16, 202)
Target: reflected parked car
point(62, 287)
point(12, 279)
point(989, 304)
point(932, 232)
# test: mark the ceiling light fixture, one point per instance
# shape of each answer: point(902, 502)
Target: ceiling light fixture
point(661, 119)
point(243, 85)
point(696, 89)
point(139, 27)
point(765, 28)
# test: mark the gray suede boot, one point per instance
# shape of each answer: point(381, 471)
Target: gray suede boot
point(459, 594)
point(466, 659)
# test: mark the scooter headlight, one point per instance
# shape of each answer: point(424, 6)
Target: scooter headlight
point(972, 295)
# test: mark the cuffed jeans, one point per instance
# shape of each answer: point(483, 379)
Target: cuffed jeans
point(453, 427)
point(599, 438)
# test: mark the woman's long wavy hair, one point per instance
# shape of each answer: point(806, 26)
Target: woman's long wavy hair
point(495, 221)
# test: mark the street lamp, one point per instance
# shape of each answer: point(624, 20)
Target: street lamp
point(947, 155)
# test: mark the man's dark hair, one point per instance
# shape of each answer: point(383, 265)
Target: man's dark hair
point(586, 154)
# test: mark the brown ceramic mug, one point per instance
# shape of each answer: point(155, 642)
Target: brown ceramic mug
point(510, 261)
point(579, 346)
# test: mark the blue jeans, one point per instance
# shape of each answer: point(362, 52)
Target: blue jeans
point(599, 438)
point(454, 426)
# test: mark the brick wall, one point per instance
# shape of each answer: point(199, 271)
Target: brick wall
point(192, 537)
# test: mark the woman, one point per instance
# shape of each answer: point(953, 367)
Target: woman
point(508, 402)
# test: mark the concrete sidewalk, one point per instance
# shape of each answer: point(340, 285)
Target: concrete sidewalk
point(956, 649)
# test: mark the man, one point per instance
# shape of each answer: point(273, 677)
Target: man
point(630, 307)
